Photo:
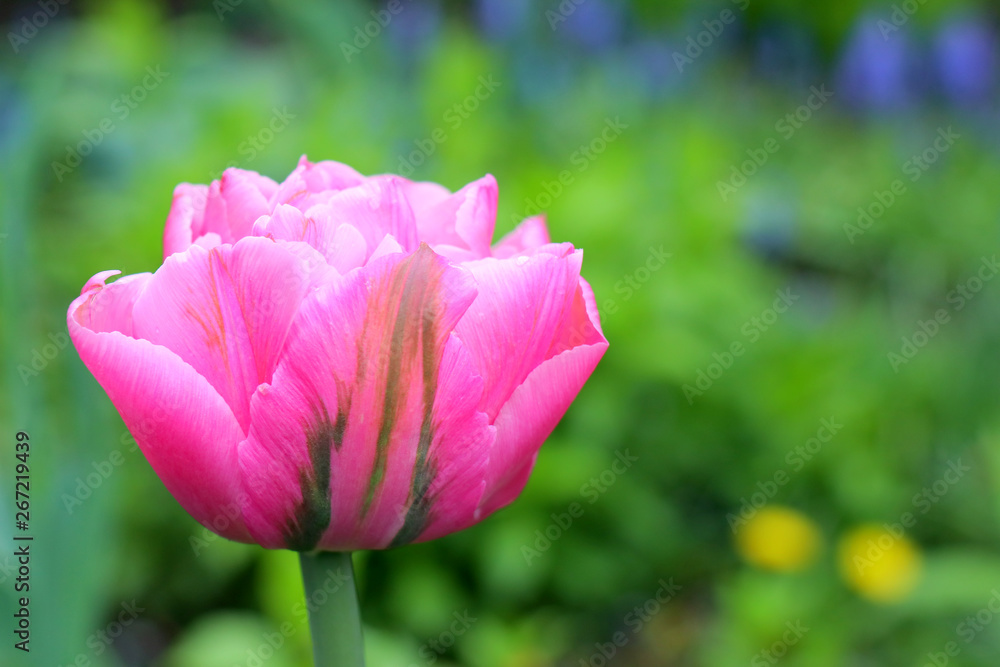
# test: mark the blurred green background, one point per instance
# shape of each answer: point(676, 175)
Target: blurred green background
point(817, 476)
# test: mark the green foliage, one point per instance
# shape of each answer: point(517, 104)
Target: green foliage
point(654, 186)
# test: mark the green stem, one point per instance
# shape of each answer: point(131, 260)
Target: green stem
point(334, 615)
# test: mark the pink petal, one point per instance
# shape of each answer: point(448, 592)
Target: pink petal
point(208, 241)
point(347, 249)
point(328, 175)
point(186, 219)
point(226, 312)
point(531, 233)
point(388, 246)
point(341, 245)
point(529, 309)
point(309, 179)
point(371, 419)
point(375, 208)
point(465, 441)
point(423, 195)
point(98, 280)
point(184, 428)
point(235, 201)
point(529, 417)
point(462, 221)
point(537, 405)
point(350, 227)
point(311, 262)
point(113, 310)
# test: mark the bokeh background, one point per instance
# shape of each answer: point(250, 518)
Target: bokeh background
point(790, 217)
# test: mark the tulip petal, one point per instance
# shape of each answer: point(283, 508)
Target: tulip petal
point(388, 246)
point(537, 405)
point(186, 218)
point(528, 310)
point(184, 428)
point(349, 226)
point(226, 312)
point(224, 211)
point(459, 225)
point(342, 247)
point(234, 202)
point(371, 419)
point(375, 209)
point(328, 175)
point(309, 183)
point(423, 195)
point(531, 233)
point(464, 439)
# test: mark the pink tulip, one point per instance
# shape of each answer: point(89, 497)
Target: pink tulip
point(342, 362)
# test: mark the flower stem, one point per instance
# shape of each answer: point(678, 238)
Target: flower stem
point(334, 615)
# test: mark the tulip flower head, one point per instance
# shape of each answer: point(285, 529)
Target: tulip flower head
point(346, 360)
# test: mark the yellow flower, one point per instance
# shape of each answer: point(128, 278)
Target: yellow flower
point(879, 562)
point(779, 538)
